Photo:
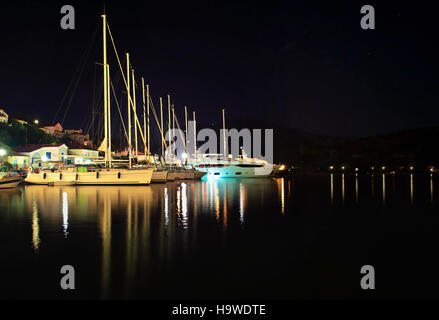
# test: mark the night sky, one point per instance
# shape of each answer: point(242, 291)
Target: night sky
point(302, 64)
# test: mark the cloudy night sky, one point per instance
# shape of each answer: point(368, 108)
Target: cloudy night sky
point(301, 64)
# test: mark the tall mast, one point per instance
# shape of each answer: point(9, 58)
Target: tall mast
point(169, 119)
point(224, 135)
point(129, 107)
point(185, 121)
point(161, 125)
point(109, 116)
point(104, 45)
point(135, 116)
point(144, 116)
point(195, 136)
point(173, 129)
point(147, 112)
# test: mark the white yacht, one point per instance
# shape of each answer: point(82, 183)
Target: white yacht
point(218, 166)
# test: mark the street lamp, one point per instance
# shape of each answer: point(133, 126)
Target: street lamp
point(36, 121)
point(2, 152)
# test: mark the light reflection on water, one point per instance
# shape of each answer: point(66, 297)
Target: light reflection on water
point(137, 234)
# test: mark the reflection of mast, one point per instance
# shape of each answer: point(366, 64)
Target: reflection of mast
point(65, 213)
point(35, 226)
point(105, 226)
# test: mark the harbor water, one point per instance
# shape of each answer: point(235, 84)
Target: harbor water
point(301, 237)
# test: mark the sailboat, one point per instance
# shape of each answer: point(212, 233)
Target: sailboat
point(99, 176)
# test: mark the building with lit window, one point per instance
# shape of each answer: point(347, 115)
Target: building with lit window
point(38, 155)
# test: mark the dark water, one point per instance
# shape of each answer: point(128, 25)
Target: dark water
point(299, 237)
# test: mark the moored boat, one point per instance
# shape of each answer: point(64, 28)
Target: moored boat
point(8, 181)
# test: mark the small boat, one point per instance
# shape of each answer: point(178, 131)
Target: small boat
point(10, 181)
point(159, 176)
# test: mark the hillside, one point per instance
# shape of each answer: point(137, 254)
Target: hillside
point(415, 147)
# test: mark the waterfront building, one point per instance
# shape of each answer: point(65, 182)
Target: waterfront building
point(4, 118)
point(37, 155)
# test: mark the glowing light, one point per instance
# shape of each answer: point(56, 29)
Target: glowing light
point(166, 207)
point(342, 188)
point(44, 158)
point(383, 167)
point(65, 213)
point(343, 167)
point(411, 188)
point(183, 156)
point(36, 121)
point(431, 169)
point(356, 169)
point(35, 226)
point(372, 168)
point(331, 167)
point(184, 205)
point(283, 196)
point(282, 167)
point(411, 168)
point(2, 152)
point(241, 202)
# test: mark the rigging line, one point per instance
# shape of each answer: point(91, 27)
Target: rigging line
point(74, 77)
point(90, 120)
point(118, 108)
point(87, 120)
point(97, 102)
point(126, 86)
point(79, 77)
point(157, 120)
point(181, 135)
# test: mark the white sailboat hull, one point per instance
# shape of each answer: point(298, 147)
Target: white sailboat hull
point(234, 171)
point(7, 183)
point(103, 177)
point(159, 176)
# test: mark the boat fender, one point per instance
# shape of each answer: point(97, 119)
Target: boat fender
point(44, 175)
point(97, 175)
point(118, 175)
point(60, 176)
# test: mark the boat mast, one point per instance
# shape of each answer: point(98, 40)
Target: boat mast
point(169, 119)
point(185, 121)
point(195, 136)
point(173, 129)
point(161, 124)
point(109, 116)
point(135, 117)
point(144, 116)
point(129, 107)
point(147, 113)
point(104, 45)
point(224, 135)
